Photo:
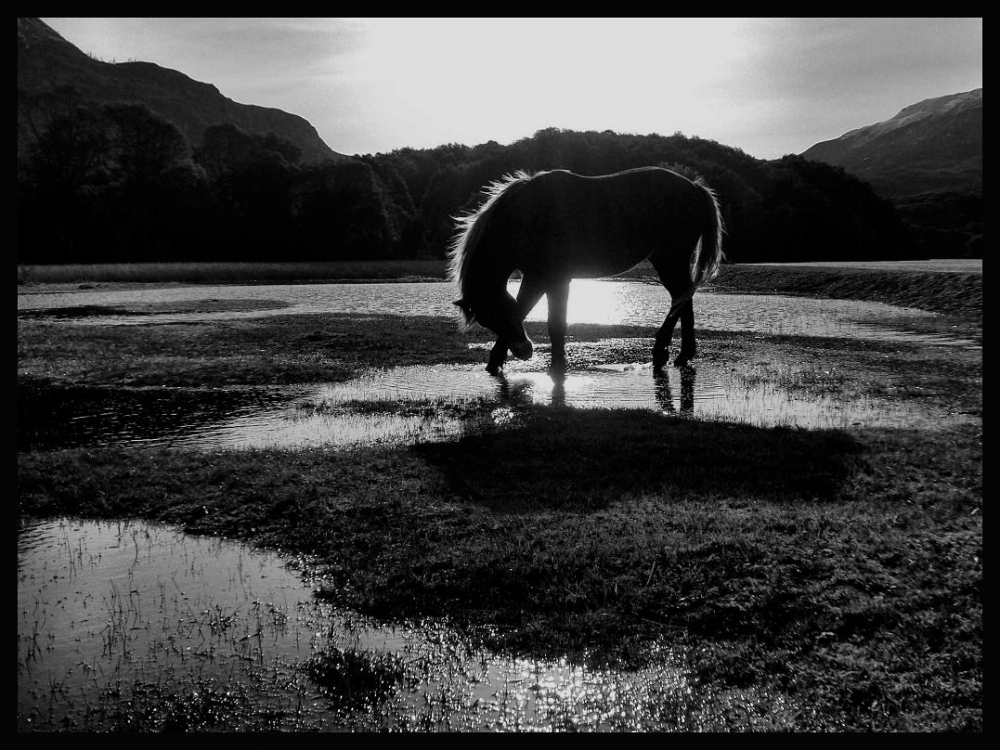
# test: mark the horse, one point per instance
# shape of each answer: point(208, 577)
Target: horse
point(554, 226)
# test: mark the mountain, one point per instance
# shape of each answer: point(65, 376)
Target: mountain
point(927, 160)
point(52, 74)
point(935, 145)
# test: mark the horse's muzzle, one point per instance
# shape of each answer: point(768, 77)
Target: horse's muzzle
point(522, 349)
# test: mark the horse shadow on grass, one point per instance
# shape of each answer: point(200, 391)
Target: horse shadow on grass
point(550, 457)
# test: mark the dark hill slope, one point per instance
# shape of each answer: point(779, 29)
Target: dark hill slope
point(53, 75)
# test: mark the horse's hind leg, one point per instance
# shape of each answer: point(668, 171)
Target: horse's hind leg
point(683, 312)
point(661, 344)
point(688, 345)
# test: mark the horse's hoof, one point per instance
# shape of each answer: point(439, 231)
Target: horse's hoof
point(682, 362)
point(494, 369)
point(660, 359)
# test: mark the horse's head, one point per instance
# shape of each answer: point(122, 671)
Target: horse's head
point(501, 316)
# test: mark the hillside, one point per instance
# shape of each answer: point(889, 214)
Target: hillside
point(934, 145)
point(96, 191)
point(53, 75)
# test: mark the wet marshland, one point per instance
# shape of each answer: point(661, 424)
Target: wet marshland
point(112, 617)
point(104, 605)
point(413, 403)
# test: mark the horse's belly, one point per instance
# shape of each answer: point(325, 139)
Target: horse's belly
point(597, 270)
point(585, 259)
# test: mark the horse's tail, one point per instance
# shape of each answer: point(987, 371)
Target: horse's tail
point(710, 256)
point(705, 264)
point(469, 233)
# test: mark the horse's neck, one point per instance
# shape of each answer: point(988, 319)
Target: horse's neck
point(491, 272)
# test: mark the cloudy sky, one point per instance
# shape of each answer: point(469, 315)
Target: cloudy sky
point(769, 86)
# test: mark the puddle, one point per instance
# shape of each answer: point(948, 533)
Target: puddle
point(124, 623)
point(52, 418)
point(409, 405)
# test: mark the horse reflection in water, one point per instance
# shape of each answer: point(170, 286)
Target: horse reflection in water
point(521, 390)
point(664, 395)
point(556, 226)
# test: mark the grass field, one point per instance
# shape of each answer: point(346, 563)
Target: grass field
point(840, 568)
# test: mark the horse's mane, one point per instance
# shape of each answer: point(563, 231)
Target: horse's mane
point(470, 226)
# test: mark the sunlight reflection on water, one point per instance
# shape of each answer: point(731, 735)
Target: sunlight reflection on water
point(408, 405)
point(591, 301)
point(404, 405)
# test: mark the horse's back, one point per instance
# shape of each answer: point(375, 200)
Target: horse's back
point(647, 179)
point(602, 225)
point(607, 203)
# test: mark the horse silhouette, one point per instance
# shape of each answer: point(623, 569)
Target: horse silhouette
point(556, 226)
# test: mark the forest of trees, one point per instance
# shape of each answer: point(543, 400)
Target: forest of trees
point(118, 183)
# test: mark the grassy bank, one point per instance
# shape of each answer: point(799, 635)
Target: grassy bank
point(958, 293)
point(949, 293)
point(839, 568)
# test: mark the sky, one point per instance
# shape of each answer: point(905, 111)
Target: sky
point(768, 86)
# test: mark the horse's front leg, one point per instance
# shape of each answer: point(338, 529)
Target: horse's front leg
point(528, 295)
point(498, 355)
point(558, 299)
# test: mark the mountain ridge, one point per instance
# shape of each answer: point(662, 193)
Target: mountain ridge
point(916, 112)
point(933, 145)
point(51, 72)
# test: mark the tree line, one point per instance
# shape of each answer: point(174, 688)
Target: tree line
point(120, 183)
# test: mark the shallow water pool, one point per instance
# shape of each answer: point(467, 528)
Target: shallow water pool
point(111, 613)
point(408, 405)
